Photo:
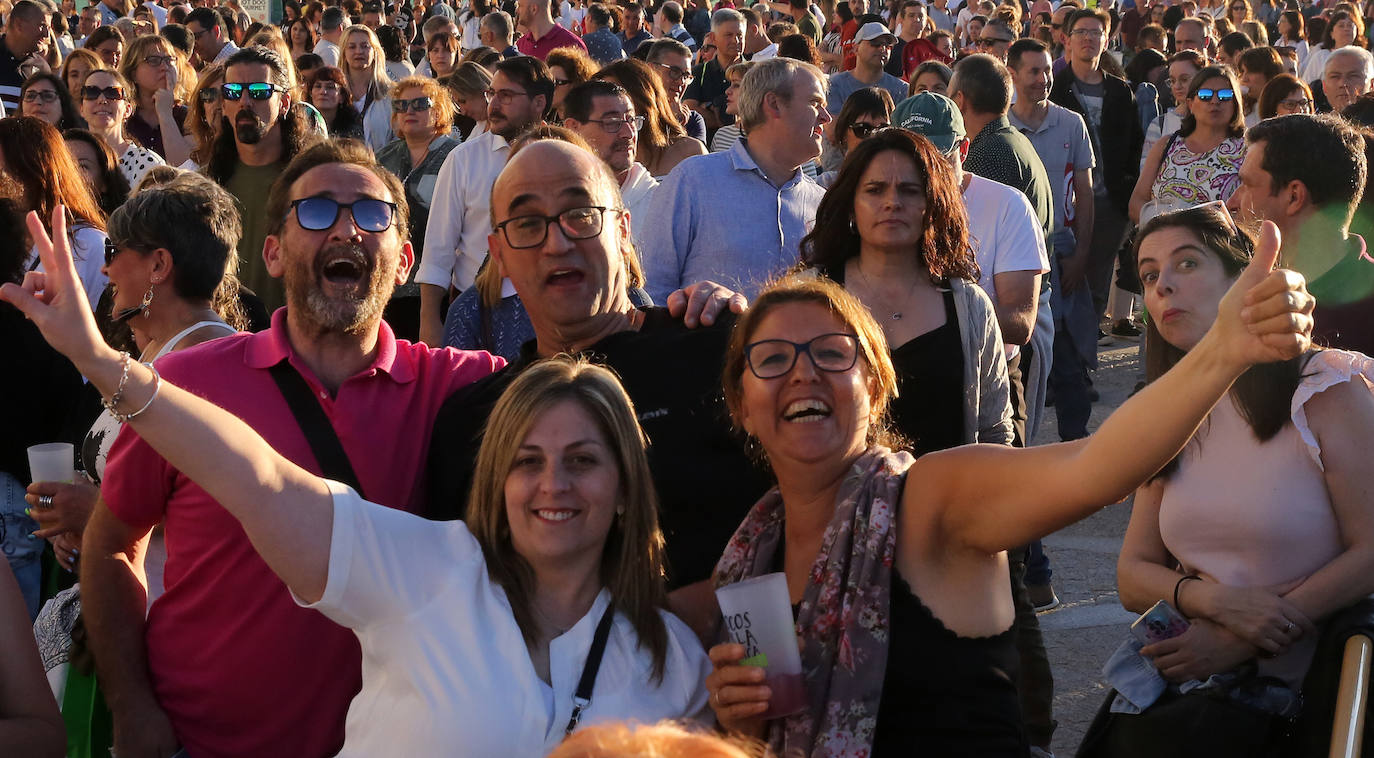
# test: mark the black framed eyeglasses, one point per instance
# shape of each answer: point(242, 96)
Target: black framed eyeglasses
point(418, 104)
point(255, 90)
point(157, 61)
point(675, 73)
point(319, 213)
point(835, 352)
point(1222, 95)
point(208, 94)
point(613, 124)
point(862, 130)
point(986, 42)
point(523, 232)
point(91, 92)
point(40, 96)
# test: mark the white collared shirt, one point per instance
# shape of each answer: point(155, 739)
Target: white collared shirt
point(636, 192)
point(460, 216)
point(445, 667)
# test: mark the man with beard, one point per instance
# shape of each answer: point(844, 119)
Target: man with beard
point(460, 217)
point(603, 114)
point(560, 235)
point(227, 664)
point(265, 135)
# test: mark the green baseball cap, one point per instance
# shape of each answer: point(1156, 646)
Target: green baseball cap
point(933, 116)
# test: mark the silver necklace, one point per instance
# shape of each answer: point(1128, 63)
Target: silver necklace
point(891, 314)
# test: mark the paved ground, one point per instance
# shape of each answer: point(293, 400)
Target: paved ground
point(1090, 621)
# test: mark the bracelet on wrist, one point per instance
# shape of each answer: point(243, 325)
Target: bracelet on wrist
point(1178, 586)
point(119, 390)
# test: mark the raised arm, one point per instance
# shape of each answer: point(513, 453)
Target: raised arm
point(286, 511)
point(992, 498)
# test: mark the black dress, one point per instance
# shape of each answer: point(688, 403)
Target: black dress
point(929, 407)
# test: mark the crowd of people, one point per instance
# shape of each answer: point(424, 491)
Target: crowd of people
point(429, 365)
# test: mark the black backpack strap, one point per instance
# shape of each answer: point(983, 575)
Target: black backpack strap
point(324, 441)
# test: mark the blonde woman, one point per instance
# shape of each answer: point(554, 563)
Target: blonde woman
point(75, 68)
point(364, 66)
point(468, 85)
point(162, 82)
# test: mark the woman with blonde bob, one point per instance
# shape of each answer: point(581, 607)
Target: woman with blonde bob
point(364, 65)
point(474, 633)
point(905, 612)
point(162, 81)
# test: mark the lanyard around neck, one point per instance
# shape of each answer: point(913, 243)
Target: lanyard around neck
point(583, 696)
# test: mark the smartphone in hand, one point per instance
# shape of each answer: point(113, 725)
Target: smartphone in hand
point(1159, 623)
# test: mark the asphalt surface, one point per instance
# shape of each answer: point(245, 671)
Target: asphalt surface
point(1089, 622)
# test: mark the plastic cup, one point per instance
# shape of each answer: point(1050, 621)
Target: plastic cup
point(758, 615)
point(52, 462)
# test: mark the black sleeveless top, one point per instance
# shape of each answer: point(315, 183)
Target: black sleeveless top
point(929, 407)
point(944, 694)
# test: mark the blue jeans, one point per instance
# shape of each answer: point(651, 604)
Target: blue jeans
point(23, 552)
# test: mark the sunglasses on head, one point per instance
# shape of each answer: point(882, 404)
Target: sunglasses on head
point(418, 105)
point(256, 90)
point(319, 213)
point(1222, 95)
point(92, 92)
point(862, 130)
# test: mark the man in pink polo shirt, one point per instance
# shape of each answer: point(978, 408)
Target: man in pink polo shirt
point(542, 36)
point(226, 663)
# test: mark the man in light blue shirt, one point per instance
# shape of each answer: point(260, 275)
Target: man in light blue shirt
point(737, 217)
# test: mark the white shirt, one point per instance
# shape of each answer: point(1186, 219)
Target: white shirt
point(328, 52)
point(445, 667)
point(398, 70)
point(460, 216)
point(224, 52)
point(159, 13)
point(1004, 233)
point(88, 252)
point(636, 193)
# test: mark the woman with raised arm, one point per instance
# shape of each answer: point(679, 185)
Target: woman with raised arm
point(903, 605)
point(474, 633)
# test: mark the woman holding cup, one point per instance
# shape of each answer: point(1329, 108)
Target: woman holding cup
point(903, 608)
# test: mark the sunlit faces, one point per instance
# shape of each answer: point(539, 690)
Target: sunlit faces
point(157, 70)
point(1343, 32)
point(1344, 79)
point(413, 123)
point(807, 415)
point(104, 114)
point(675, 71)
point(131, 273)
point(1087, 39)
point(1033, 76)
point(77, 71)
point(563, 487)
point(41, 102)
point(732, 95)
point(110, 51)
point(338, 279)
point(562, 84)
point(930, 81)
point(729, 40)
point(1184, 283)
point(474, 105)
point(1214, 111)
point(1190, 37)
point(862, 127)
point(563, 282)
point(1181, 75)
point(890, 203)
point(610, 130)
point(875, 52)
point(253, 119)
point(325, 94)
point(1256, 198)
point(801, 117)
point(511, 107)
point(358, 50)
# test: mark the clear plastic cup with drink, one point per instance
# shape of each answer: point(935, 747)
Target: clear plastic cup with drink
point(52, 462)
point(758, 615)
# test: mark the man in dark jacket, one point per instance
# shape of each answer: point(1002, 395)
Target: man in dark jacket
point(1108, 106)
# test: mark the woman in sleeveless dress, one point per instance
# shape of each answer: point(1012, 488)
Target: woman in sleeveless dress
point(1201, 162)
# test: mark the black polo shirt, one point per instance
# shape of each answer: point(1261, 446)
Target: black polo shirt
point(11, 81)
point(708, 88)
point(705, 481)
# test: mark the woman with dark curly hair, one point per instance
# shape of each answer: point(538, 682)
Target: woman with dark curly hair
point(893, 231)
point(328, 91)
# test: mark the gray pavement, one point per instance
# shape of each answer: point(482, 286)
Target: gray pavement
point(1090, 622)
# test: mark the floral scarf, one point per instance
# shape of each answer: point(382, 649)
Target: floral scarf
point(843, 621)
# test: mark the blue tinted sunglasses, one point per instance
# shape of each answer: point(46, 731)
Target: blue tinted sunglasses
point(319, 213)
point(1223, 95)
point(256, 90)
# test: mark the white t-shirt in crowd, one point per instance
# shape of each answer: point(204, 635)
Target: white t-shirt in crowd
point(328, 52)
point(445, 667)
point(88, 251)
point(1004, 232)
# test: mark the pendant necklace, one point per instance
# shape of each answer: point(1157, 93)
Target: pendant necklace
point(893, 315)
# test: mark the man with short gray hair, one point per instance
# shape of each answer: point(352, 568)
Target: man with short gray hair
point(331, 34)
point(737, 217)
point(706, 94)
point(669, 24)
point(1346, 76)
point(497, 31)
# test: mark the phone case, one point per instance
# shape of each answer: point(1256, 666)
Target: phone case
point(1159, 623)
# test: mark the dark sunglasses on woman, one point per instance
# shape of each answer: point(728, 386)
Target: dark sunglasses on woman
point(862, 130)
point(418, 104)
point(1222, 95)
point(90, 92)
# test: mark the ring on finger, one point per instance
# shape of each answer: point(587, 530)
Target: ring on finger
point(45, 501)
point(1288, 628)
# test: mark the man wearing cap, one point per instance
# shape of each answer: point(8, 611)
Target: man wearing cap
point(872, 46)
point(1010, 249)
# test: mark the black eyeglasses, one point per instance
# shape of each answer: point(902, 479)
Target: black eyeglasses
point(835, 352)
point(862, 130)
point(157, 61)
point(256, 90)
point(208, 95)
point(95, 93)
point(613, 124)
point(418, 105)
point(523, 232)
point(40, 96)
point(319, 213)
point(675, 73)
point(1222, 95)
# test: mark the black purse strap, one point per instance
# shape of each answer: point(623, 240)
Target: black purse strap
point(324, 441)
point(583, 697)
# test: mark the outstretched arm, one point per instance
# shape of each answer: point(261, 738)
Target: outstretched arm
point(992, 498)
point(286, 511)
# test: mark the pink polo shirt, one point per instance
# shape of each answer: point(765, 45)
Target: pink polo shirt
point(239, 668)
point(556, 38)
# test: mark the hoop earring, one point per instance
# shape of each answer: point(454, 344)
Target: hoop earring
point(853, 228)
point(147, 301)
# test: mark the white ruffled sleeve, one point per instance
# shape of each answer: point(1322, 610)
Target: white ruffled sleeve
point(1325, 370)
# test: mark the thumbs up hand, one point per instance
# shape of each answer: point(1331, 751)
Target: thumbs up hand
point(1266, 316)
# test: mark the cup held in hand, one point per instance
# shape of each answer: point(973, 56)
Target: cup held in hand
point(758, 615)
point(52, 462)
